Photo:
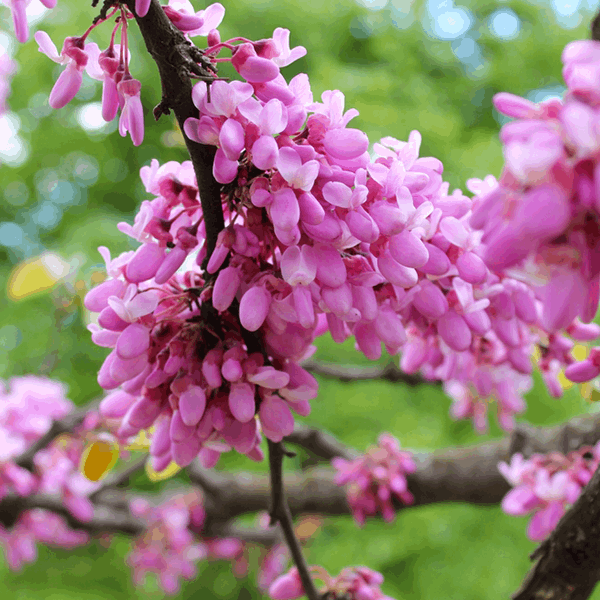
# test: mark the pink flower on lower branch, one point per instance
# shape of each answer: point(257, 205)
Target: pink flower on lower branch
point(353, 583)
point(19, 542)
point(373, 479)
point(546, 485)
point(168, 546)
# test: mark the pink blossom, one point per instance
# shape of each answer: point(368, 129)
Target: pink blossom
point(546, 485)
point(74, 55)
point(373, 479)
point(354, 583)
point(132, 114)
point(194, 23)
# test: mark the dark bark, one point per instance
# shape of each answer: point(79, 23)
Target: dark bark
point(280, 513)
point(595, 28)
point(568, 562)
point(177, 60)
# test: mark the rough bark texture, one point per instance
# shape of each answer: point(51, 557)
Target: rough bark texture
point(467, 474)
point(568, 562)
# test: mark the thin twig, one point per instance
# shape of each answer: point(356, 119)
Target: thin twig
point(356, 373)
point(58, 427)
point(121, 477)
point(208, 480)
point(280, 513)
point(319, 443)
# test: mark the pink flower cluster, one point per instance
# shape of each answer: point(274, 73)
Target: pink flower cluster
point(119, 89)
point(378, 246)
point(167, 547)
point(475, 329)
point(542, 220)
point(375, 478)
point(111, 67)
point(353, 583)
point(27, 409)
point(318, 237)
point(37, 526)
point(172, 544)
point(181, 369)
point(546, 485)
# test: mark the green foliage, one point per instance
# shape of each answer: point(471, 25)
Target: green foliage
point(400, 79)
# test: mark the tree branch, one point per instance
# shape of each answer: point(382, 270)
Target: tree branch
point(595, 28)
point(568, 562)
point(176, 58)
point(280, 513)
point(319, 443)
point(355, 373)
point(467, 474)
point(58, 427)
point(464, 474)
point(121, 477)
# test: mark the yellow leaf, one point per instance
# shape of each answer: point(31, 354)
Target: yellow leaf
point(36, 275)
point(589, 391)
point(172, 469)
point(579, 352)
point(564, 382)
point(98, 459)
point(585, 389)
point(141, 442)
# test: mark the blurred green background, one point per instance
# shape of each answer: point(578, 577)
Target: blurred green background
point(67, 180)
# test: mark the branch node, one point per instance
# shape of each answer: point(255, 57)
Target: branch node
point(162, 108)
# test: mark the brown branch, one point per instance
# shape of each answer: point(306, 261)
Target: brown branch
point(464, 474)
point(176, 59)
point(280, 513)
point(250, 535)
point(595, 28)
point(58, 427)
point(348, 373)
point(568, 562)
point(106, 519)
point(121, 477)
point(115, 517)
point(319, 443)
point(467, 474)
